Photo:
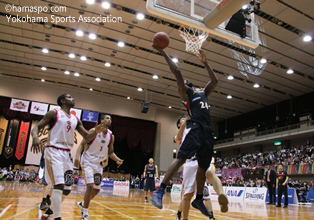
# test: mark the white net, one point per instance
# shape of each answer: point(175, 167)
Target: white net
point(193, 37)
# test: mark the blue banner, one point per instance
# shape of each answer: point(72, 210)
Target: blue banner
point(106, 184)
point(291, 196)
point(90, 116)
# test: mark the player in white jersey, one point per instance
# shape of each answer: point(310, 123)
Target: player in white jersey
point(58, 161)
point(189, 178)
point(94, 154)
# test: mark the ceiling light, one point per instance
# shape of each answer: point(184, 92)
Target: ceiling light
point(91, 89)
point(175, 60)
point(43, 68)
point(290, 71)
point(155, 77)
point(72, 55)
point(45, 50)
point(79, 33)
point(256, 85)
point(128, 97)
point(120, 44)
point(43, 80)
point(90, 2)
point(83, 58)
point(105, 5)
point(307, 38)
point(140, 89)
point(107, 64)
point(97, 79)
point(66, 72)
point(263, 61)
point(230, 77)
point(140, 16)
point(229, 97)
point(92, 36)
point(169, 106)
point(76, 74)
point(244, 7)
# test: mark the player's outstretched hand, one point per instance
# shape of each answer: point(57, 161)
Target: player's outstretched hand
point(36, 146)
point(77, 163)
point(99, 127)
point(119, 162)
point(157, 48)
point(202, 56)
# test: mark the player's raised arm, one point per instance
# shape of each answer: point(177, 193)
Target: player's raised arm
point(210, 86)
point(177, 73)
point(88, 136)
point(47, 119)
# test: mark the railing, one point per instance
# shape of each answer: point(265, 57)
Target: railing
point(272, 131)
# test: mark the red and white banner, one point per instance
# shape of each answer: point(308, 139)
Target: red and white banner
point(121, 185)
point(19, 105)
point(38, 108)
point(73, 111)
point(21, 142)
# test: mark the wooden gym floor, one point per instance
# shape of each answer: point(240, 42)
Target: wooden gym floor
point(21, 201)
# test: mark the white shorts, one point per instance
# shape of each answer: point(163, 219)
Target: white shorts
point(92, 172)
point(58, 167)
point(189, 178)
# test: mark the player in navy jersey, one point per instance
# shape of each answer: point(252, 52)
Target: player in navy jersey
point(199, 140)
point(150, 173)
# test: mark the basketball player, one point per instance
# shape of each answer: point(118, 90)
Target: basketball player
point(91, 162)
point(199, 138)
point(150, 172)
point(58, 161)
point(189, 175)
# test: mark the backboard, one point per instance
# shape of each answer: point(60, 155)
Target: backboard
point(202, 14)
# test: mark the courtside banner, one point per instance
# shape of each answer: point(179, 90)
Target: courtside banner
point(38, 108)
point(107, 184)
point(19, 105)
point(292, 196)
point(121, 185)
point(235, 192)
point(213, 194)
point(53, 107)
point(255, 194)
point(176, 188)
point(90, 116)
point(11, 138)
point(3, 130)
point(21, 142)
point(76, 112)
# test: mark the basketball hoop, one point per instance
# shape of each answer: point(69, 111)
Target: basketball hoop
point(193, 37)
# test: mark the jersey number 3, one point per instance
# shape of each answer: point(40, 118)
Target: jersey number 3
point(204, 105)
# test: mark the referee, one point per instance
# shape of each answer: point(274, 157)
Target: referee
point(150, 172)
point(281, 184)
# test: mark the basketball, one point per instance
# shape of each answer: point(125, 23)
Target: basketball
point(161, 40)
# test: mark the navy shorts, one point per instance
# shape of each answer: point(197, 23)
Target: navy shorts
point(150, 185)
point(198, 141)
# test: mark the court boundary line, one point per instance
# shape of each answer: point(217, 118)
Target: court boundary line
point(4, 210)
point(120, 213)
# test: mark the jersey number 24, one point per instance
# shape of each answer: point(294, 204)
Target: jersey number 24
point(204, 105)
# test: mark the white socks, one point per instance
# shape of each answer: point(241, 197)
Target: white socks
point(56, 200)
point(85, 211)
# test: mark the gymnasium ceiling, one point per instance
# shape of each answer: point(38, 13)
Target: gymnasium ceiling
point(132, 66)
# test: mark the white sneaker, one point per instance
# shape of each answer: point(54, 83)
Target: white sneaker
point(79, 204)
point(85, 217)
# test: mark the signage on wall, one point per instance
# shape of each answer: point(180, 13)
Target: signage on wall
point(38, 108)
point(277, 143)
point(19, 105)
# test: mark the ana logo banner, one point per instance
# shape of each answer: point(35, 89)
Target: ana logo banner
point(235, 192)
point(19, 105)
point(90, 116)
point(38, 108)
